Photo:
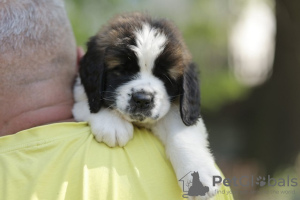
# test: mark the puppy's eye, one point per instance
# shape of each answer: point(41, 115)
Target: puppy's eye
point(117, 70)
point(126, 69)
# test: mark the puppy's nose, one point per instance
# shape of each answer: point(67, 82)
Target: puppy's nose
point(142, 99)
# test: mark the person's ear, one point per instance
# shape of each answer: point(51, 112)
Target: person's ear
point(92, 74)
point(80, 53)
point(190, 99)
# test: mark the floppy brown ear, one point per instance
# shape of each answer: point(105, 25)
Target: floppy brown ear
point(190, 99)
point(92, 74)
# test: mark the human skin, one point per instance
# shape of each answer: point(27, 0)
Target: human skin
point(25, 107)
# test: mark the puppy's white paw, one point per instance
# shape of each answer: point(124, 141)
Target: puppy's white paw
point(110, 128)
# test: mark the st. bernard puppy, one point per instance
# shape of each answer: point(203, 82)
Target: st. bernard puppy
point(138, 71)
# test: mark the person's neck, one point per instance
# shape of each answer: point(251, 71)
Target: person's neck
point(43, 107)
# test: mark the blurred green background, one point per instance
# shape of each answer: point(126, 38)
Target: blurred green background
point(254, 128)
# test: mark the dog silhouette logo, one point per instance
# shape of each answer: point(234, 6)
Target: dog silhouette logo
point(192, 185)
point(197, 187)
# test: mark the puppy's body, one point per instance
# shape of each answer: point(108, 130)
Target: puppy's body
point(138, 71)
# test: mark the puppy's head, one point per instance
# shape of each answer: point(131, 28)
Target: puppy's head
point(138, 66)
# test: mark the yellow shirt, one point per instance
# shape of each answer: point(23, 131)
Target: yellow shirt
point(64, 161)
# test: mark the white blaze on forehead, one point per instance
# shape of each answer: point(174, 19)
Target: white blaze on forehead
point(149, 44)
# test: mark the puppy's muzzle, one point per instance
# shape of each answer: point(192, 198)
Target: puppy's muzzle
point(142, 100)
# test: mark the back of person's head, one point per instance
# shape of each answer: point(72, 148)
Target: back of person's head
point(36, 43)
point(37, 63)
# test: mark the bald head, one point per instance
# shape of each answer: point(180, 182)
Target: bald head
point(37, 56)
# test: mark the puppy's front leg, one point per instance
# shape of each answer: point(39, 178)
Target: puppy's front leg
point(108, 127)
point(187, 149)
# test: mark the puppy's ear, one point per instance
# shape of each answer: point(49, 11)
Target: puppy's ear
point(190, 99)
point(92, 74)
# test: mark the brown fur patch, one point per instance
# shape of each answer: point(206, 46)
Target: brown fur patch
point(119, 32)
point(112, 62)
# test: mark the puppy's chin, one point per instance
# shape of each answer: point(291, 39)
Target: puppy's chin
point(139, 117)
